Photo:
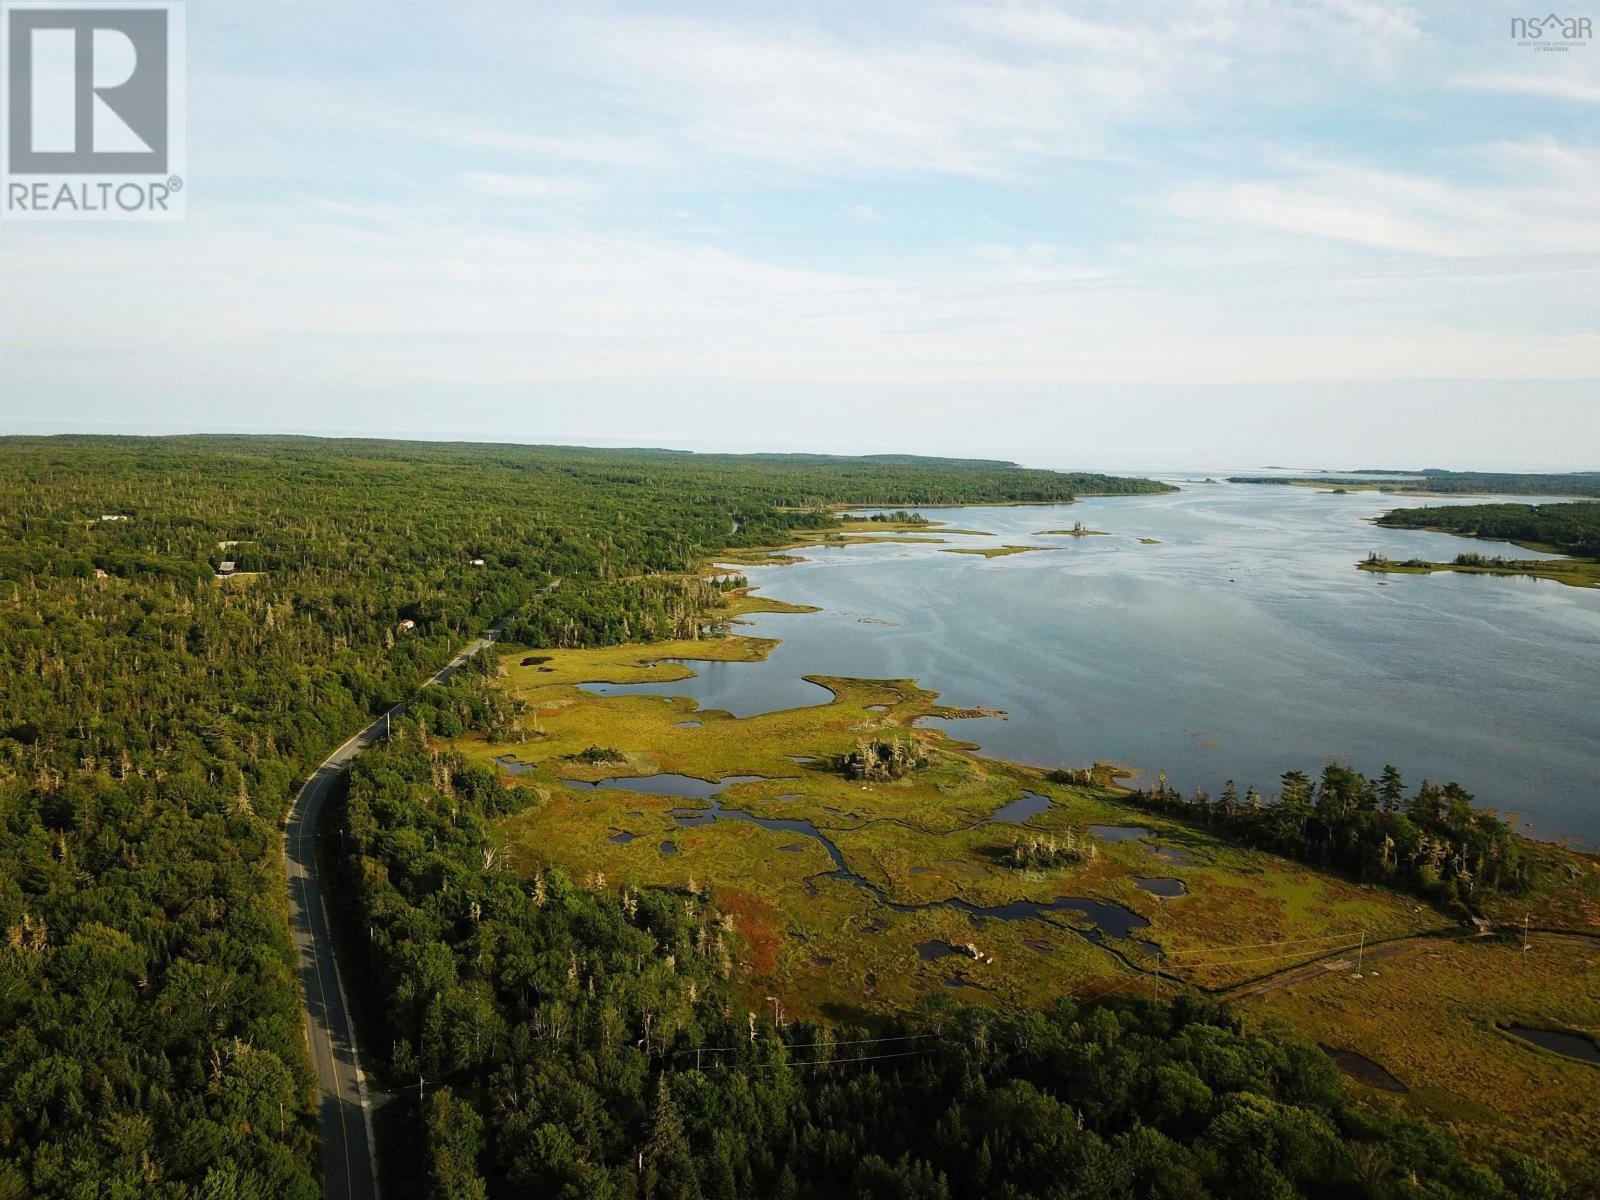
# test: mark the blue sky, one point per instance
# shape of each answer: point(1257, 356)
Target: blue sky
point(1135, 235)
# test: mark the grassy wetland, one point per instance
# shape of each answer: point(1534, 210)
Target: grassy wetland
point(855, 896)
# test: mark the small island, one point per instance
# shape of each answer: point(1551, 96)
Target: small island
point(1079, 529)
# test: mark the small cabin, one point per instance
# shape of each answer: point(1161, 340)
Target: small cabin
point(101, 573)
point(226, 568)
point(408, 624)
point(113, 517)
point(477, 562)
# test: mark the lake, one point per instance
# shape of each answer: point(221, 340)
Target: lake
point(1245, 644)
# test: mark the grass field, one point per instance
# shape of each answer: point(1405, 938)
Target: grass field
point(1432, 1018)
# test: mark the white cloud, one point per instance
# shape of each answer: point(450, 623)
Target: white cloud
point(1544, 205)
point(526, 187)
point(1557, 86)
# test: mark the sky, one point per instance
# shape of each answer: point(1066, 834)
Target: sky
point(1148, 235)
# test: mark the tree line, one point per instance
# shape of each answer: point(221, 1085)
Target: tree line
point(1435, 843)
point(1572, 528)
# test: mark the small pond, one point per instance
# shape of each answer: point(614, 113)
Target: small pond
point(1363, 1070)
point(687, 786)
point(1021, 810)
point(1568, 1045)
point(1119, 833)
point(1165, 888)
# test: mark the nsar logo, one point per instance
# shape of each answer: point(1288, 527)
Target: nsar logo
point(1551, 32)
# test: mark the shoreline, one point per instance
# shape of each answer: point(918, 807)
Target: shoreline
point(780, 557)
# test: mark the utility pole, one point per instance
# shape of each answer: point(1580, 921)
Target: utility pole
point(1361, 952)
point(1526, 945)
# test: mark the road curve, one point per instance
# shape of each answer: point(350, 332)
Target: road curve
point(349, 1155)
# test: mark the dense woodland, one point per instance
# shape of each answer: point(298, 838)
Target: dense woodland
point(1503, 483)
point(1572, 528)
point(1435, 843)
point(155, 720)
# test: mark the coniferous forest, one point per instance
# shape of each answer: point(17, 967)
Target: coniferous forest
point(188, 625)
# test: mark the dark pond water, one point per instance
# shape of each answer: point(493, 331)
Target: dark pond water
point(686, 724)
point(1119, 833)
point(1165, 888)
point(669, 847)
point(1171, 854)
point(687, 786)
point(511, 764)
point(1022, 810)
point(621, 839)
point(1244, 645)
point(934, 951)
point(1363, 1070)
point(1568, 1045)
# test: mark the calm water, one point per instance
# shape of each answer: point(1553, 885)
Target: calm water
point(1245, 644)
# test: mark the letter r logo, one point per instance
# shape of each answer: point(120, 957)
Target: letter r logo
point(87, 91)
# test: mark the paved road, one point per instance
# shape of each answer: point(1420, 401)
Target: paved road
point(349, 1160)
